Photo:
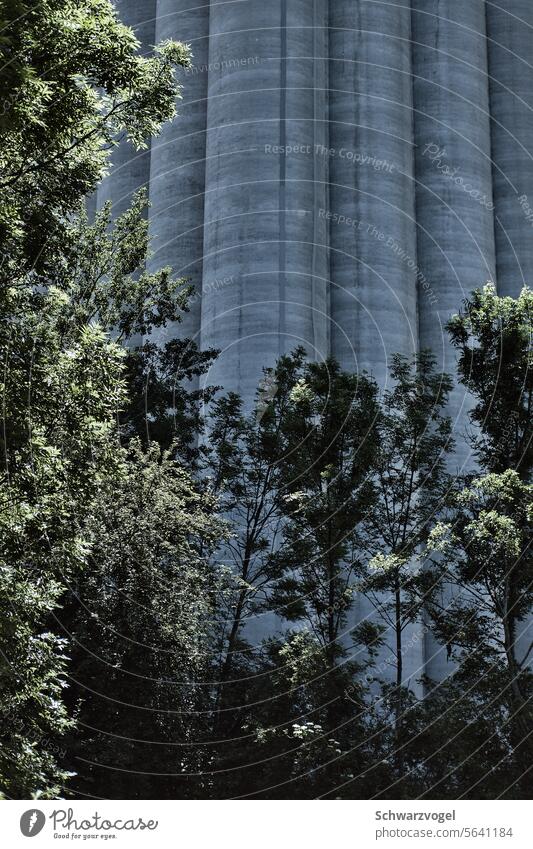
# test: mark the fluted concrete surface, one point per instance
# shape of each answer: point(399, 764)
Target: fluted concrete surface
point(265, 246)
point(373, 253)
point(454, 205)
point(372, 215)
point(177, 173)
point(510, 34)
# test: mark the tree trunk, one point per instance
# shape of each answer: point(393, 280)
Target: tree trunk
point(399, 674)
point(227, 667)
point(522, 724)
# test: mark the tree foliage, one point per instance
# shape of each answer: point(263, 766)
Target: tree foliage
point(73, 80)
point(330, 447)
point(493, 336)
point(73, 83)
point(142, 616)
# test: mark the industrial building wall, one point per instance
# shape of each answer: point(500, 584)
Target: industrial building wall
point(510, 65)
point(372, 227)
point(341, 175)
point(177, 162)
point(265, 246)
point(454, 203)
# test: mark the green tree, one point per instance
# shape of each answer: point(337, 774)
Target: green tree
point(148, 491)
point(243, 471)
point(484, 539)
point(161, 405)
point(456, 744)
point(411, 483)
point(74, 83)
point(493, 337)
point(142, 624)
point(102, 279)
point(288, 747)
point(330, 444)
point(280, 703)
point(486, 555)
point(59, 400)
point(64, 381)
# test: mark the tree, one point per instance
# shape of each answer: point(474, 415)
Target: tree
point(59, 399)
point(484, 538)
point(414, 438)
point(102, 280)
point(243, 471)
point(149, 497)
point(493, 337)
point(330, 445)
point(312, 426)
point(161, 407)
point(288, 747)
point(457, 741)
point(142, 624)
point(486, 548)
point(74, 83)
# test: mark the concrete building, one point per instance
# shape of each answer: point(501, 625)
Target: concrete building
point(342, 174)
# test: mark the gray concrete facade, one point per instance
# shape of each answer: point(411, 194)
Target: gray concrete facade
point(373, 257)
point(454, 203)
point(265, 248)
point(341, 175)
point(510, 53)
point(177, 191)
point(372, 228)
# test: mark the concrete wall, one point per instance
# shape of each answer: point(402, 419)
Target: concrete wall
point(373, 255)
point(177, 172)
point(510, 34)
point(265, 245)
point(372, 231)
point(456, 250)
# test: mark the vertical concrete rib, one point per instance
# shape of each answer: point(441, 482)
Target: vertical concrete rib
point(373, 254)
point(130, 168)
point(177, 173)
point(372, 214)
point(510, 34)
point(265, 256)
point(456, 251)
